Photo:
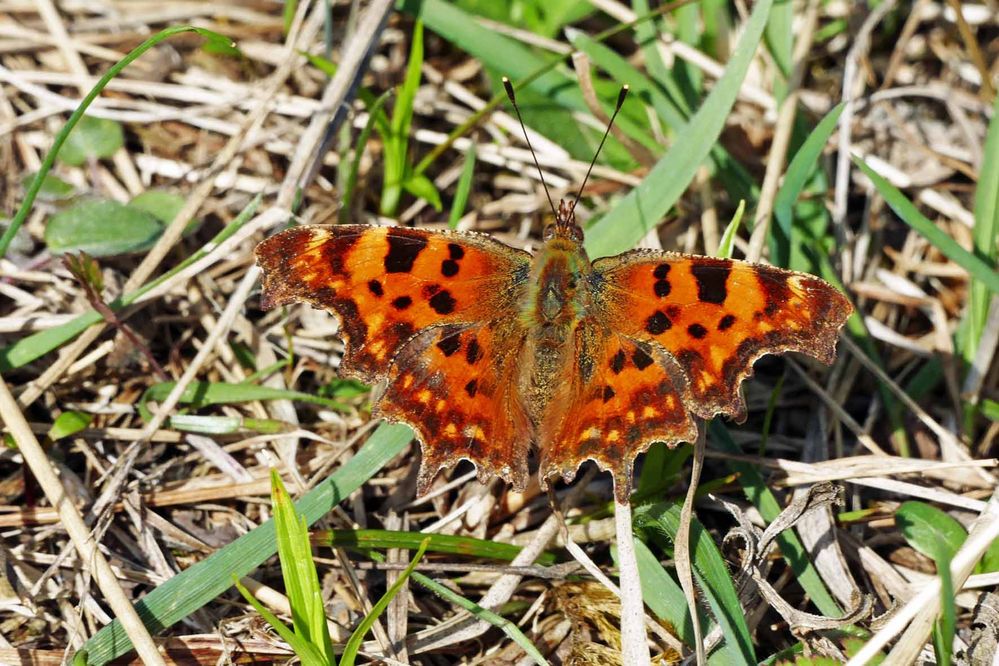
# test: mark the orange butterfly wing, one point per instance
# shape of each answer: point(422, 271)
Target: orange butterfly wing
point(715, 317)
point(432, 314)
point(387, 283)
point(619, 396)
point(456, 385)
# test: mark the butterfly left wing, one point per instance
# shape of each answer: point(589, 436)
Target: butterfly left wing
point(617, 396)
point(715, 317)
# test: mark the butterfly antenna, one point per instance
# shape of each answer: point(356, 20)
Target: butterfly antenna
point(620, 102)
point(509, 93)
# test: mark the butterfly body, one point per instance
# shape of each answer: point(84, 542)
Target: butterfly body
point(486, 350)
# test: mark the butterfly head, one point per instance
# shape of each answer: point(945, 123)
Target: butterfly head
point(565, 225)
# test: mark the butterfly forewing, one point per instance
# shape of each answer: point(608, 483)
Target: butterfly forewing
point(387, 283)
point(715, 317)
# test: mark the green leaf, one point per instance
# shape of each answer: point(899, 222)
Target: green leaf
point(929, 530)
point(298, 570)
point(92, 138)
point(978, 268)
point(161, 204)
point(728, 238)
point(202, 582)
point(53, 187)
point(354, 642)
point(69, 423)
point(344, 389)
point(463, 189)
point(422, 187)
point(643, 207)
point(305, 650)
point(101, 229)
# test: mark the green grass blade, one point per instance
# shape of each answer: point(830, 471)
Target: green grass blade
point(463, 189)
point(712, 575)
point(374, 112)
point(197, 585)
point(34, 346)
point(60, 139)
point(397, 141)
point(984, 237)
point(305, 650)
point(367, 540)
point(644, 206)
point(298, 570)
point(795, 178)
point(665, 598)
point(978, 268)
point(221, 393)
point(354, 642)
point(498, 621)
point(728, 237)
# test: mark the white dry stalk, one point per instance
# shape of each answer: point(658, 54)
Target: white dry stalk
point(634, 644)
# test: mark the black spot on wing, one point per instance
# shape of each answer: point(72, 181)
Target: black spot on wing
point(726, 322)
point(617, 361)
point(473, 352)
point(661, 288)
point(403, 251)
point(711, 276)
point(472, 387)
point(608, 393)
point(697, 331)
point(450, 344)
point(443, 303)
point(455, 251)
point(641, 358)
point(375, 287)
point(661, 271)
point(402, 302)
point(658, 323)
point(449, 268)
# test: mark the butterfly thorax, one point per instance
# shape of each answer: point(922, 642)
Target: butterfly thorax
point(556, 301)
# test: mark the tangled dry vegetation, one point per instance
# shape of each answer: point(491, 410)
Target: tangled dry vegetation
point(905, 421)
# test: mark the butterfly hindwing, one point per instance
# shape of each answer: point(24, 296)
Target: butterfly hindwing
point(618, 396)
point(715, 317)
point(456, 385)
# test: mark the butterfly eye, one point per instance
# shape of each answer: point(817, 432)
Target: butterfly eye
point(572, 283)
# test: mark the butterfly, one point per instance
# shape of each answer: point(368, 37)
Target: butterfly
point(486, 351)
